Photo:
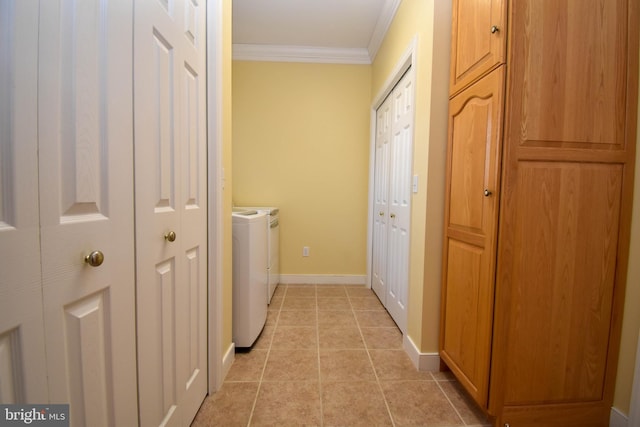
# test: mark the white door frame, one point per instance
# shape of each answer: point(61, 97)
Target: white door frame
point(407, 60)
point(215, 184)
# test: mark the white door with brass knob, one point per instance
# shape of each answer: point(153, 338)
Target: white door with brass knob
point(85, 130)
point(400, 199)
point(171, 200)
point(381, 200)
point(392, 199)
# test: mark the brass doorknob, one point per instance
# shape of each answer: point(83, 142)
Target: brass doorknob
point(494, 29)
point(170, 236)
point(94, 259)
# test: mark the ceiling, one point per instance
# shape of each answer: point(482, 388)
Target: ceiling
point(342, 31)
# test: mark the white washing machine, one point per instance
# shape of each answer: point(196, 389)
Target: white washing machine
point(273, 245)
point(249, 275)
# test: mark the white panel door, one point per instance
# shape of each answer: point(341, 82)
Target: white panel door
point(400, 199)
point(392, 199)
point(22, 355)
point(86, 204)
point(381, 199)
point(170, 170)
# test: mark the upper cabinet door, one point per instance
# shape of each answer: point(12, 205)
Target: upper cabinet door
point(477, 40)
point(570, 75)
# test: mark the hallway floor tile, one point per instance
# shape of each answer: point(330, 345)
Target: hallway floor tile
point(332, 356)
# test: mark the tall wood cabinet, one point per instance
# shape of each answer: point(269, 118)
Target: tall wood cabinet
point(538, 207)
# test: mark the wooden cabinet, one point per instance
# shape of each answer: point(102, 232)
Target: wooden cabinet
point(551, 308)
point(475, 117)
point(478, 40)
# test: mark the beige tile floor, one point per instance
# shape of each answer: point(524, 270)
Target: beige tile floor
point(332, 356)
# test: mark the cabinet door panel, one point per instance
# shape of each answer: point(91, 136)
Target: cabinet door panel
point(570, 63)
point(470, 232)
point(475, 47)
point(570, 138)
point(565, 251)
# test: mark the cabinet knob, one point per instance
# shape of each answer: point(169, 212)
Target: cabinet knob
point(381, 213)
point(94, 259)
point(170, 236)
point(487, 193)
point(392, 215)
point(494, 29)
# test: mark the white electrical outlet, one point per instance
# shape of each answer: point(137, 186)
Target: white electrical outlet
point(305, 251)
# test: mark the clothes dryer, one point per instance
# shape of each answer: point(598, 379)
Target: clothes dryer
point(273, 245)
point(249, 276)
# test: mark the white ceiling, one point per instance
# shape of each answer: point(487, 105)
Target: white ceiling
point(310, 30)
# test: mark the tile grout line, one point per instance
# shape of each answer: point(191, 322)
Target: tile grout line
point(366, 348)
point(264, 366)
point(448, 399)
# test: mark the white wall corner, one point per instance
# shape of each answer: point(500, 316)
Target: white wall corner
point(618, 419)
point(422, 361)
point(227, 360)
point(323, 279)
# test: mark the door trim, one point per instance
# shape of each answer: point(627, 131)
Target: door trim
point(406, 61)
point(215, 22)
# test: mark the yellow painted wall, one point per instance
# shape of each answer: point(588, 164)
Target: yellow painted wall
point(264, 109)
point(227, 165)
point(301, 143)
point(631, 319)
point(430, 20)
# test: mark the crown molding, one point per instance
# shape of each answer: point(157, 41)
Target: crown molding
point(382, 26)
point(327, 55)
point(281, 53)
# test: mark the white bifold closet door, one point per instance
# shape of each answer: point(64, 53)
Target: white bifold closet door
point(171, 204)
point(392, 199)
point(67, 328)
point(22, 354)
point(381, 199)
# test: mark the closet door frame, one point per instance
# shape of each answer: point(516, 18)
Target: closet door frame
point(220, 359)
point(407, 60)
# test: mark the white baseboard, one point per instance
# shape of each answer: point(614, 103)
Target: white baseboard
point(227, 360)
point(618, 419)
point(422, 361)
point(322, 279)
